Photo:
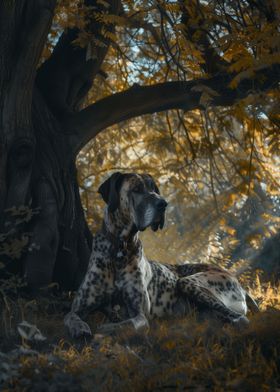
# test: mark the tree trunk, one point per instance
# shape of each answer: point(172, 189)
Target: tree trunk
point(37, 165)
point(42, 130)
point(60, 241)
point(61, 228)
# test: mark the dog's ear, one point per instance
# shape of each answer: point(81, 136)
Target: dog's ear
point(110, 189)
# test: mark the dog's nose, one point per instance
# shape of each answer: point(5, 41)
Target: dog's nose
point(161, 204)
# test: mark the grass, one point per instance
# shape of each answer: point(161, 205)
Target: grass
point(177, 354)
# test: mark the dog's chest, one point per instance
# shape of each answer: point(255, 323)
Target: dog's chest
point(162, 290)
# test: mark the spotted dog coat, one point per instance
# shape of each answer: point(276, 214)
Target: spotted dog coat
point(118, 267)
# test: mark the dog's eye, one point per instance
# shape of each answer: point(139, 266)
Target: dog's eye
point(138, 189)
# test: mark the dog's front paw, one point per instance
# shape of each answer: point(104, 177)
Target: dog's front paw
point(241, 322)
point(80, 329)
point(137, 323)
point(77, 328)
point(108, 328)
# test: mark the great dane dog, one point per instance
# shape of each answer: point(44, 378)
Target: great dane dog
point(118, 267)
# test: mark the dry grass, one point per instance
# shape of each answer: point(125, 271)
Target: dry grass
point(178, 354)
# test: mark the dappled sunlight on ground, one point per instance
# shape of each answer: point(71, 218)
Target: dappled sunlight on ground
point(179, 353)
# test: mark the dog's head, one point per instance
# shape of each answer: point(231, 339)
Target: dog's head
point(137, 198)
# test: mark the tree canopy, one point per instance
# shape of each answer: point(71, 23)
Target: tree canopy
point(185, 90)
point(216, 64)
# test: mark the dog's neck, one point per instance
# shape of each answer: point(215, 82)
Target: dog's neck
point(125, 246)
point(120, 226)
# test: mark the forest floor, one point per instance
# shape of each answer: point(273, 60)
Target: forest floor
point(177, 354)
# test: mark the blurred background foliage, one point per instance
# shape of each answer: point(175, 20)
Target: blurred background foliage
point(222, 186)
point(217, 167)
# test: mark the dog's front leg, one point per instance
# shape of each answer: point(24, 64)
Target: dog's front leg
point(76, 326)
point(73, 322)
point(91, 294)
point(138, 304)
point(138, 322)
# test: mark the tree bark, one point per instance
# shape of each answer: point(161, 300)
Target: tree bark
point(140, 100)
point(36, 167)
point(20, 49)
point(66, 77)
point(42, 130)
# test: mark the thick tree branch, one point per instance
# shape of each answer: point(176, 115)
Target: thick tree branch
point(7, 35)
point(138, 100)
point(66, 77)
point(22, 36)
point(22, 40)
point(37, 17)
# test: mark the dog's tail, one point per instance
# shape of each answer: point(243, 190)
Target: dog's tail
point(252, 304)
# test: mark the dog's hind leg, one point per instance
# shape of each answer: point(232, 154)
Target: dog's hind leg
point(193, 268)
point(204, 296)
